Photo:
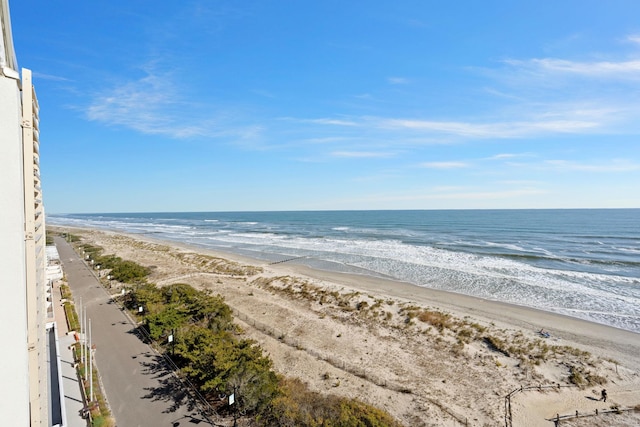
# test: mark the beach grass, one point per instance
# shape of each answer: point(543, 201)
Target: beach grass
point(349, 335)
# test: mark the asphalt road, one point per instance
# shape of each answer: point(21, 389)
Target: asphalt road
point(141, 391)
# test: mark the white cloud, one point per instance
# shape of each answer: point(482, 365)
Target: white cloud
point(504, 156)
point(527, 183)
point(366, 96)
point(325, 140)
point(444, 165)
point(448, 188)
point(516, 129)
point(463, 195)
point(155, 105)
point(43, 76)
point(628, 69)
point(611, 166)
point(149, 105)
point(398, 80)
point(323, 121)
point(361, 154)
point(634, 38)
point(483, 195)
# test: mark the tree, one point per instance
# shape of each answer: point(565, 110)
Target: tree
point(164, 321)
point(146, 295)
point(129, 272)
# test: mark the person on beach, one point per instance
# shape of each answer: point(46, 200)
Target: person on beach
point(604, 395)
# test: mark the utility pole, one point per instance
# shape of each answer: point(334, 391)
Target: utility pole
point(83, 347)
point(90, 366)
point(81, 331)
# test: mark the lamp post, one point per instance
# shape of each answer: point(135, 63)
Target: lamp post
point(172, 341)
point(232, 401)
point(98, 268)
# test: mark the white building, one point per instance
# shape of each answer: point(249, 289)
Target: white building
point(27, 356)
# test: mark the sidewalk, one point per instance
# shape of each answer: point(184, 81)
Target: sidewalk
point(70, 384)
point(142, 390)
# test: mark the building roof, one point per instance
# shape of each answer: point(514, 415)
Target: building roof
point(52, 253)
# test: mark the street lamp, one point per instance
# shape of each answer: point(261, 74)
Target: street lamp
point(171, 340)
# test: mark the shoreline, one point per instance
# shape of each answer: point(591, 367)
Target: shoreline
point(507, 314)
point(340, 349)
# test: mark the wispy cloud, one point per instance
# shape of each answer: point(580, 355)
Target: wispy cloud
point(147, 105)
point(516, 129)
point(154, 105)
point(393, 131)
point(44, 76)
point(621, 69)
point(454, 194)
point(520, 183)
point(366, 96)
point(362, 154)
point(505, 156)
point(616, 165)
point(634, 38)
point(398, 80)
point(479, 195)
point(324, 121)
point(444, 165)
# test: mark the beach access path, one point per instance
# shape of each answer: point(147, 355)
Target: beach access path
point(140, 389)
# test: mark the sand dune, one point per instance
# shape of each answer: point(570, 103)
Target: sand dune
point(427, 357)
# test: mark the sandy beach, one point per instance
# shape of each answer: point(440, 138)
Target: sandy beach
point(429, 358)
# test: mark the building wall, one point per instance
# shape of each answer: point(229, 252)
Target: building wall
point(14, 370)
point(24, 370)
point(35, 254)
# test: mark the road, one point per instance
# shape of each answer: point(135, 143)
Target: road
point(141, 391)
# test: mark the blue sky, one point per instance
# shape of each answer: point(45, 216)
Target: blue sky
point(311, 105)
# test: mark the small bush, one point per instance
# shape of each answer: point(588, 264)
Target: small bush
point(576, 377)
point(435, 318)
point(496, 344)
point(300, 407)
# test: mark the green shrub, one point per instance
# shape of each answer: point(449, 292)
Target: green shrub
point(300, 407)
point(129, 272)
point(65, 292)
point(72, 317)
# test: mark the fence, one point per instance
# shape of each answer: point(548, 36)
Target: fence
point(558, 418)
point(508, 418)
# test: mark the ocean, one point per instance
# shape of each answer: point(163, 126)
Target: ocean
point(583, 263)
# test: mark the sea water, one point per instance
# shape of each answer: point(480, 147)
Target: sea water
point(582, 263)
